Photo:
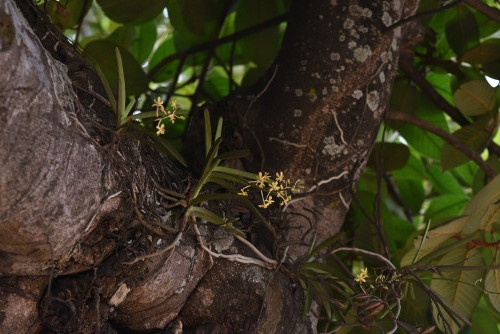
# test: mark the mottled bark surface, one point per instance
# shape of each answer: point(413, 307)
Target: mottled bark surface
point(75, 254)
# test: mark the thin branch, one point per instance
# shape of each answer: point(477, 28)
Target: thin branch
point(406, 65)
point(365, 252)
point(492, 12)
point(213, 44)
point(414, 74)
point(404, 117)
point(422, 14)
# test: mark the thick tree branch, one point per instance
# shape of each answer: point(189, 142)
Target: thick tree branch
point(492, 12)
point(407, 118)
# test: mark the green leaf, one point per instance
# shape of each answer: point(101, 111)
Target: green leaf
point(196, 21)
point(101, 53)
point(213, 218)
point(462, 31)
point(404, 97)
point(475, 98)
point(166, 146)
point(208, 131)
point(441, 83)
point(483, 207)
point(443, 182)
point(132, 11)
point(435, 238)
point(166, 48)
point(68, 14)
point(485, 320)
point(262, 47)
point(390, 156)
point(319, 268)
point(143, 44)
point(458, 288)
point(213, 197)
point(236, 172)
point(445, 206)
point(492, 286)
point(122, 95)
point(424, 142)
point(472, 136)
point(486, 52)
point(412, 193)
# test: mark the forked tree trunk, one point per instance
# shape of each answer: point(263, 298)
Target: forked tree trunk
point(75, 251)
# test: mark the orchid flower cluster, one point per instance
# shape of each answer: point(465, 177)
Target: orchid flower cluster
point(278, 187)
point(162, 114)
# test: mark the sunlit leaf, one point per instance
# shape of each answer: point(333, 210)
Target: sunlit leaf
point(445, 206)
point(443, 182)
point(475, 98)
point(165, 49)
point(458, 289)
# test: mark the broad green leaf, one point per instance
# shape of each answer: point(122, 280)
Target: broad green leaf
point(424, 142)
point(102, 53)
point(479, 177)
point(166, 48)
point(466, 173)
point(196, 21)
point(435, 238)
point(445, 206)
point(462, 31)
point(472, 136)
point(144, 42)
point(486, 52)
point(404, 96)
point(492, 69)
point(415, 306)
point(236, 172)
point(443, 182)
point(132, 11)
point(123, 36)
point(390, 156)
point(217, 83)
point(414, 169)
point(492, 287)
point(442, 84)
point(412, 193)
point(67, 14)
point(262, 47)
point(475, 98)
point(485, 320)
point(483, 208)
point(458, 289)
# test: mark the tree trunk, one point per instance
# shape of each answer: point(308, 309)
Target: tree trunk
point(77, 253)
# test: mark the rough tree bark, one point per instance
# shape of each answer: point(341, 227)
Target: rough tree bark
point(75, 198)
